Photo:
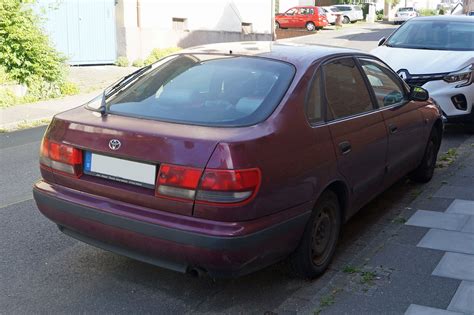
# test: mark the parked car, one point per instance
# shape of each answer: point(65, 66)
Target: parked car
point(404, 14)
point(350, 13)
point(227, 158)
point(470, 13)
point(310, 17)
point(436, 53)
point(331, 13)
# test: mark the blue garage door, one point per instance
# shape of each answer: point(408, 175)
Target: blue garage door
point(83, 30)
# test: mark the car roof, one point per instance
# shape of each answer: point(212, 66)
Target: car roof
point(448, 18)
point(298, 54)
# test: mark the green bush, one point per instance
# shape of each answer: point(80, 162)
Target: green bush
point(138, 63)
point(441, 11)
point(158, 53)
point(69, 88)
point(4, 77)
point(379, 14)
point(7, 98)
point(122, 62)
point(427, 12)
point(25, 51)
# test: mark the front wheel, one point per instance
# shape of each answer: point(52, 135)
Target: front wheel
point(310, 26)
point(346, 20)
point(318, 244)
point(277, 25)
point(424, 172)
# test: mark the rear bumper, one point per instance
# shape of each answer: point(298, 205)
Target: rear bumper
point(179, 249)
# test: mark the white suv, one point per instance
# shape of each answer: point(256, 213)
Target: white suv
point(436, 53)
point(350, 13)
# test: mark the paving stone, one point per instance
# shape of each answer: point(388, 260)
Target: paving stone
point(461, 206)
point(407, 258)
point(433, 203)
point(450, 241)
point(469, 226)
point(409, 235)
point(415, 309)
point(439, 220)
point(456, 266)
point(448, 191)
point(463, 300)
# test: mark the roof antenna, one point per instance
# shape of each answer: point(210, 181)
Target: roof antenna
point(230, 52)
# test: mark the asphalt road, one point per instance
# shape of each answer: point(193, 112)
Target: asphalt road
point(42, 270)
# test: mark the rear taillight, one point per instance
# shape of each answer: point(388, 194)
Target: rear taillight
point(61, 157)
point(211, 186)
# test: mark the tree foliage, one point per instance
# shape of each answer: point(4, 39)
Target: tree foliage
point(25, 51)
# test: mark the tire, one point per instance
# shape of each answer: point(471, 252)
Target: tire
point(310, 26)
point(277, 25)
point(346, 20)
point(424, 172)
point(319, 240)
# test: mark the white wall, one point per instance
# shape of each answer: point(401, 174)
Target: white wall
point(147, 24)
point(287, 4)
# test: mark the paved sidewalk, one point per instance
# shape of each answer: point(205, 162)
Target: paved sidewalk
point(90, 80)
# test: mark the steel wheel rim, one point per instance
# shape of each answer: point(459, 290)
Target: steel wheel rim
point(323, 236)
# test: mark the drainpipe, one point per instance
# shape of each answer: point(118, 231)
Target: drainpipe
point(272, 17)
point(139, 14)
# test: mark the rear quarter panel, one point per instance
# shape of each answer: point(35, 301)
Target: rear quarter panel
point(296, 161)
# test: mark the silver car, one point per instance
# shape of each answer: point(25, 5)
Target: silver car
point(350, 13)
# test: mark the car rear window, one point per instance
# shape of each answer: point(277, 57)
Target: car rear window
point(405, 9)
point(357, 8)
point(205, 89)
point(344, 8)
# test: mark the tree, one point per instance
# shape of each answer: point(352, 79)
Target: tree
point(25, 51)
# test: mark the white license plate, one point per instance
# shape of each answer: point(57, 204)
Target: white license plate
point(126, 171)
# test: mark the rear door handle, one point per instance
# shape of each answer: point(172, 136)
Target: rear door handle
point(393, 129)
point(345, 147)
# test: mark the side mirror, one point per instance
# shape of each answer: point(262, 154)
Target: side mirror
point(381, 41)
point(418, 94)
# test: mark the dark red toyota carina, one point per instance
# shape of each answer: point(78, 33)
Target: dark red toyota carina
point(226, 158)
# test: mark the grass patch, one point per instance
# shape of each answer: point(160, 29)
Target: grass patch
point(350, 269)
point(399, 220)
point(447, 158)
point(367, 277)
point(30, 124)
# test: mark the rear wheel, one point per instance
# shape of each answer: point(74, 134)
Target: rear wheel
point(310, 26)
point(424, 172)
point(346, 20)
point(318, 244)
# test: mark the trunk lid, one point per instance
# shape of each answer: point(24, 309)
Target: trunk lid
point(144, 141)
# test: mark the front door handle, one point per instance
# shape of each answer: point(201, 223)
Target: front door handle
point(393, 129)
point(345, 147)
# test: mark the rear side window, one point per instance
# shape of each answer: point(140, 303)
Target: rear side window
point(214, 90)
point(345, 89)
point(314, 108)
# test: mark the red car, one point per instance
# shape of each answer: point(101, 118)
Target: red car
point(227, 158)
point(310, 17)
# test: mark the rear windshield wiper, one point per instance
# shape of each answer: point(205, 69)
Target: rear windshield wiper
point(111, 90)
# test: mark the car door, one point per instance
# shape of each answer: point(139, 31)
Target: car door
point(286, 20)
point(357, 129)
point(403, 119)
point(300, 17)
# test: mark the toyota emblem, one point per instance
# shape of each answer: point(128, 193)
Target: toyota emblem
point(114, 144)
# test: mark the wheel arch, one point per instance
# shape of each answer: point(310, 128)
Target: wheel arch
point(341, 190)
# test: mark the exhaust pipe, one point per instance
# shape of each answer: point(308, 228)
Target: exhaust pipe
point(196, 272)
